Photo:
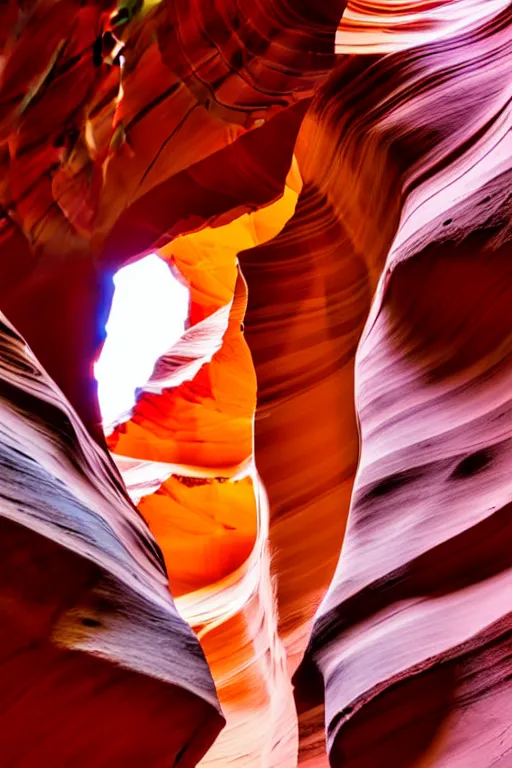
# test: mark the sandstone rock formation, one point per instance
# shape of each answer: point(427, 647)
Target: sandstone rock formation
point(301, 530)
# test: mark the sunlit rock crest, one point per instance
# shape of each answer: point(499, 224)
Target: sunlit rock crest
point(322, 457)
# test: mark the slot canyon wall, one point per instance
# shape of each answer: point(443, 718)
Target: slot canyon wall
point(296, 548)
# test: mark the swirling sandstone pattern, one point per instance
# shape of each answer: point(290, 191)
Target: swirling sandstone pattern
point(322, 457)
point(82, 585)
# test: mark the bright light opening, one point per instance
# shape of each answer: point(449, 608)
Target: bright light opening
point(148, 315)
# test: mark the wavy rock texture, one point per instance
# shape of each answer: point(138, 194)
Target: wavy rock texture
point(441, 161)
point(322, 456)
point(89, 630)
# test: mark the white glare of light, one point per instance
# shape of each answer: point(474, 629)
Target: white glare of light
point(148, 315)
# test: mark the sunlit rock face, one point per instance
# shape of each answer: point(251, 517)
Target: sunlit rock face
point(292, 545)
